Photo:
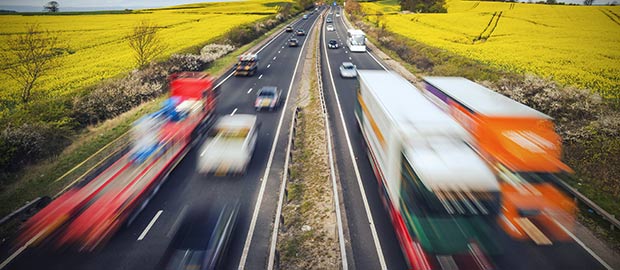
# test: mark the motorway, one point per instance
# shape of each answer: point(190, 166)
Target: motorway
point(141, 244)
point(371, 241)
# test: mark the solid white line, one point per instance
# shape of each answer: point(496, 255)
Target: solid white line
point(373, 57)
point(371, 222)
point(250, 90)
point(233, 112)
point(332, 171)
point(248, 239)
point(260, 77)
point(276, 224)
point(21, 249)
point(148, 227)
point(584, 246)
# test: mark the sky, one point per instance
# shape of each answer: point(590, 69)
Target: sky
point(99, 4)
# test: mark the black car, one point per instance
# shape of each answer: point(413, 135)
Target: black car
point(293, 42)
point(202, 239)
point(289, 29)
point(332, 44)
point(300, 32)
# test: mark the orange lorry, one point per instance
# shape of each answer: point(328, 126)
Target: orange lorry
point(521, 145)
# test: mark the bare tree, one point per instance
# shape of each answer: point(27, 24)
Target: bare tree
point(145, 42)
point(588, 2)
point(31, 55)
point(51, 6)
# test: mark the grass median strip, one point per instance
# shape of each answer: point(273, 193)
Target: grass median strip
point(308, 237)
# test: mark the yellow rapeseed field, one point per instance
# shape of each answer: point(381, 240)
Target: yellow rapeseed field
point(95, 44)
point(575, 45)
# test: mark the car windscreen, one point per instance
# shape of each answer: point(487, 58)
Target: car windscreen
point(333, 42)
point(266, 94)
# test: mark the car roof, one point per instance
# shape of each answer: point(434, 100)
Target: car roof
point(268, 89)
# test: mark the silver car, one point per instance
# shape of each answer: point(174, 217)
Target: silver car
point(348, 70)
point(268, 97)
point(330, 27)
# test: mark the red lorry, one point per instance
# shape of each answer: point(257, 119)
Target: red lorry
point(88, 215)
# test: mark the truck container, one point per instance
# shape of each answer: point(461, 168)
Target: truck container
point(440, 195)
point(520, 143)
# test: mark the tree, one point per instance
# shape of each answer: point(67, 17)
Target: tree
point(588, 2)
point(51, 6)
point(31, 56)
point(145, 42)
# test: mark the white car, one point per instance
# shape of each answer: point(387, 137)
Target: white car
point(230, 145)
point(348, 70)
point(268, 97)
point(330, 27)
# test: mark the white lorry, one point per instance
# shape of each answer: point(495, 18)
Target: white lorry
point(438, 192)
point(230, 145)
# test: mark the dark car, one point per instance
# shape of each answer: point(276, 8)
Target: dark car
point(202, 239)
point(332, 44)
point(288, 29)
point(300, 32)
point(293, 42)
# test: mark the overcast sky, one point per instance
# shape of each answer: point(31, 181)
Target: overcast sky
point(108, 3)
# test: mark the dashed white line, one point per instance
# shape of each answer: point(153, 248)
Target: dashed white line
point(148, 227)
point(279, 51)
point(274, 58)
point(233, 112)
point(248, 239)
point(349, 57)
point(268, 66)
point(260, 77)
point(250, 90)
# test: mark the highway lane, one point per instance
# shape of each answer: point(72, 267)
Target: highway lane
point(185, 189)
point(365, 255)
point(364, 248)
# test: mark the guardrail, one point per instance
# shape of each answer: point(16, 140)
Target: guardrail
point(578, 197)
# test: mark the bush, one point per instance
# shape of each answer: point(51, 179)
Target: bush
point(27, 143)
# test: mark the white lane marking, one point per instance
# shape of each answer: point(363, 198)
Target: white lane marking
point(279, 51)
point(248, 239)
point(233, 112)
point(259, 50)
point(148, 227)
point(349, 57)
point(250, 90)
point(345, 51)
point(268, 66)
point(332, 170)
point(607, 266)
point(274, 58)
point(371, 222)
point(260, 77)
point(176, 223)
point(21, 249)
point(382, 66)
point(276, 224)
